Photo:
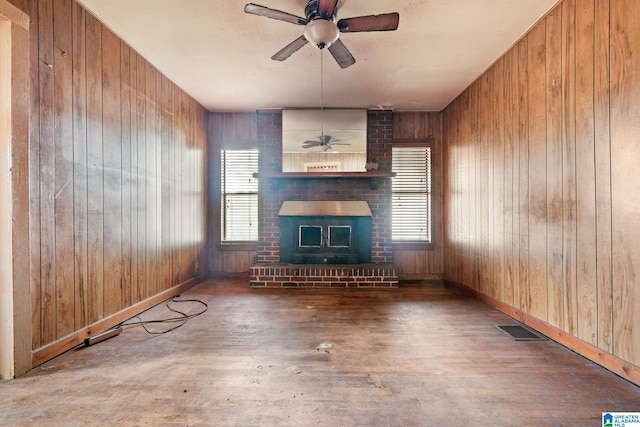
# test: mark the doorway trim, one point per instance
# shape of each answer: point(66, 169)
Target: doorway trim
point(15, 295)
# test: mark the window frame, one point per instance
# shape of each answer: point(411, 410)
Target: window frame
point(418, 244)
point(234, 245)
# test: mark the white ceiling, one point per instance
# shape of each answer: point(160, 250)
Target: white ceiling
point(221, 55)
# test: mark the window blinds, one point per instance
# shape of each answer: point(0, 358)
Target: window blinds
point(239, 195)
point(411, 188)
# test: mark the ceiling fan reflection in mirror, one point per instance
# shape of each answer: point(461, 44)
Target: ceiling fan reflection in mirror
point(324, 141)
point(323, 29)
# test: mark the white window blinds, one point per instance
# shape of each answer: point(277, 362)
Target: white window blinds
point(239, 195)
point(411, 187)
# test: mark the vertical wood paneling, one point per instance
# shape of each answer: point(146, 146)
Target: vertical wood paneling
point(562, 150)
point(35, 264)
point(509, 205)
point(433, 128)
point(625, 176)
point(200, 176)
point(462, 184)
point(95, 176)
point(585, 158)
point(113, 184)
point(174, 180)
point(150, 178)
point(569, 176)
point(515, 159)
point(165, 144)
point(485, 127)
point(179, 182)
point(452, 201)
point(161, 284)
point(140, 211)
point(522, 301)
point(133, 177)
point(214, 141)
point(554, 83)
point(187, 269)
point(80, 167)
point(603, 175)
point(474, 200)
point(497, 180)
point(537, 171)
point(192, 206)
point(125, 126)
point(63, 158)
point(47, 327)
point(102, 122)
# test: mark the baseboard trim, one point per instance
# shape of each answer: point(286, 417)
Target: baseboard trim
point(62, 345)
point(607, 360)
point(419, 276)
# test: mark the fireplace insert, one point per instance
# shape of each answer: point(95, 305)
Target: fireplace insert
point(342, 238)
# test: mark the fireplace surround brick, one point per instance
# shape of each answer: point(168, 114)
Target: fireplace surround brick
point(273, 191)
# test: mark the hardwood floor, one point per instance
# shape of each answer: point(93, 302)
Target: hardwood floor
point(422, 355)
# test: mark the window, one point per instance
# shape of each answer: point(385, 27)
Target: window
point(411, 193)
point(239, 195)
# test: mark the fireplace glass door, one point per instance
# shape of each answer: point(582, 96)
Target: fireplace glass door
point(330, 236)
point(339, 236)
point(310, 236)
point(325, 240)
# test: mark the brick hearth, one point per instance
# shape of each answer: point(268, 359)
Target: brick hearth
point(323, 276)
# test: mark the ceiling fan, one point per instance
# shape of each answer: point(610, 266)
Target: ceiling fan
point(324, 141)
point(322, 29)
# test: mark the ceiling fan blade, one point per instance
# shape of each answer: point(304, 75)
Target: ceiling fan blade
point(327, 8)
point(256, 9)
point(309, 144)
point(341, 54)
point(338, 143)
point(384, 22)
point(290, 49)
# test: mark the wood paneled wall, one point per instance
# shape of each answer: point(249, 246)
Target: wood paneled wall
point(227, 130)
point(419, 263)
point(541, 207)
point(116, 174)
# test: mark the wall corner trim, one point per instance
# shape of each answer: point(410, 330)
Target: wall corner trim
point(15, 15)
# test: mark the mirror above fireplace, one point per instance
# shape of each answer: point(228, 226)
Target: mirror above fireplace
point(329, 140)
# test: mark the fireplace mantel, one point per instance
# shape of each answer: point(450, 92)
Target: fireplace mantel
point(325, 208)
point(324, 175)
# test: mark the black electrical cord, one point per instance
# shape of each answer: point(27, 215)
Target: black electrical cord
point(184, 317)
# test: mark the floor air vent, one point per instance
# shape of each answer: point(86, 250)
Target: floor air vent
point(520, 333)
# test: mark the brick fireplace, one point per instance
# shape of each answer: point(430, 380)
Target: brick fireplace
point(276, 187)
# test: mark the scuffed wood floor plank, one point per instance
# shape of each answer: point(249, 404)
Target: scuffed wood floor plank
point(414, 356)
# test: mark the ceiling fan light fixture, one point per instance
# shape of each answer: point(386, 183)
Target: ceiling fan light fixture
point(321, 33)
